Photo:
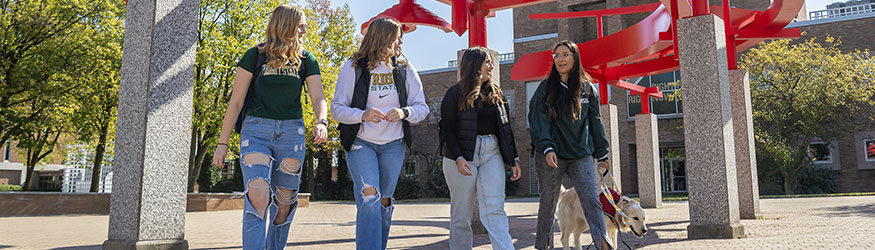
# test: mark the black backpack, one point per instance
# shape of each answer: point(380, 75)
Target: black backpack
point(253, 96)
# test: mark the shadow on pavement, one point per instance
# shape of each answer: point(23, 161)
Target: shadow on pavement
point(91, 247)
point(847, 211)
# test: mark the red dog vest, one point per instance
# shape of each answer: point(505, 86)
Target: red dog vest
point(607, 208)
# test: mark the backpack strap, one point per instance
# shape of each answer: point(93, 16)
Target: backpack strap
point(301, 71)
point(399, 74)
point(255, 85)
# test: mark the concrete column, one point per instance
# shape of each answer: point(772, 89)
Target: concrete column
point(745, 152)
point(647, 149)
point(708, 133)
point(147, 208)
point(612, 131)
point(476, 225)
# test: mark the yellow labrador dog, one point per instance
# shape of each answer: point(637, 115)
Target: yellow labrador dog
point(572, 222)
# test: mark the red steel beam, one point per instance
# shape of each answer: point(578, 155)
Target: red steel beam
point(591, 13)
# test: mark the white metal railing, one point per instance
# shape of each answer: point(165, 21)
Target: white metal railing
point(843, 11)
point(502, 58)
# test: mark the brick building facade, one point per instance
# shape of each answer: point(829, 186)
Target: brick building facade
point(853, 168)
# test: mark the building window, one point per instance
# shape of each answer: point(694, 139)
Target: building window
point(870, 149)
point(668, 105)
point(531, 87)
point(410, 169)
point(674, 169)
point(7, 151)
point(821, 152)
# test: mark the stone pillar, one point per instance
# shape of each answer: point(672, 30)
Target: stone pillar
point(147, 208)
point(612, 131)
point(708, 133)
point(476, 225)
point(745, 152)
point(647, 149)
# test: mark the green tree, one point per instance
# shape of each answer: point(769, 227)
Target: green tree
point(40, 136)
point(332, 39)
point(226, 29)
point(39, 42)
point(97, 99)
point(802, 92)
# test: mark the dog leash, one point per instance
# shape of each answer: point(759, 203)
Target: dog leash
point(610, 197)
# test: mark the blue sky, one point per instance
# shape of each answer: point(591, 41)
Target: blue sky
point(431, 48)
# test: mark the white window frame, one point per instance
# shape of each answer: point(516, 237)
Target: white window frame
point(866, 149)
point(405, 169)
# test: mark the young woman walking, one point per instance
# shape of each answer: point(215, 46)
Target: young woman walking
point(566, 128)
point(376, 99)
point(272, 132)
point(477, 144)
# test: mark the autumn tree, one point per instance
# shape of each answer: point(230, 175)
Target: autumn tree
point(802, 92)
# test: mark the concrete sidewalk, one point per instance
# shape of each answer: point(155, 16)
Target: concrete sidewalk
point(801, 223)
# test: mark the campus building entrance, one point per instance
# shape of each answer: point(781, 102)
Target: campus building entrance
point(674, 169)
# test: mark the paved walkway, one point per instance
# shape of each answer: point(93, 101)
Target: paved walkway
point(802, 223)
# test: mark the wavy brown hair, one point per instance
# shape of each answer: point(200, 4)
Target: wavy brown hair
point(560, 100)
point(470, 87)
point(377, 43)
point(281, 44)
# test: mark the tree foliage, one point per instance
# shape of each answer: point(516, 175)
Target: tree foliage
point(51, 54)
point(40, 54)
point(332, 39)
point(805, 92)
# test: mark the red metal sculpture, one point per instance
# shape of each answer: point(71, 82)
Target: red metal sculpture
point(468, 15)
point(646, 48)
point(649, 47)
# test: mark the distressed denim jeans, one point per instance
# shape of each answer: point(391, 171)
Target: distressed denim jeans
point(277, 139)
point(583, 177)
point(374, 166)
point(486, 183)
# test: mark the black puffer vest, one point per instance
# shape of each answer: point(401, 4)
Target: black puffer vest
point(348, 132)
point(466, 131)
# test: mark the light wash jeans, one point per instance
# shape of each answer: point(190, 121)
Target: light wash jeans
point(583, 176)
point(487, 183)
point(278, 139)
point(379, 166)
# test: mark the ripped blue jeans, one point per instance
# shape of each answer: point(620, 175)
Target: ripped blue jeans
point(271, 155)
point(373, 166)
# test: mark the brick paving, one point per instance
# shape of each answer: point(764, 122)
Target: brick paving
point(801, 223)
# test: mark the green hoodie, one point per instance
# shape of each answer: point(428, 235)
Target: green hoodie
point(568, 138)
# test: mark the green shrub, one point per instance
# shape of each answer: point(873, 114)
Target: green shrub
point(408, 188)
point(10, 188)
point(816, 180)
point(510, 187)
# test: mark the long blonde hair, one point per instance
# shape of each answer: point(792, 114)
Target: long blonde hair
point(281, 44)
point(377, 44)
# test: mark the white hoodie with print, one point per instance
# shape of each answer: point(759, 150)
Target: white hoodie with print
point(383, 96)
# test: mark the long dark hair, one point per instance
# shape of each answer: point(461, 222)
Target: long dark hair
point(559, 100)
point(470, 89)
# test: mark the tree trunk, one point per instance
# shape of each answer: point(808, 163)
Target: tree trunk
point(98, 158)
point(308, 171)
point(192, 152)
point(198, 163)
point(29, 175)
